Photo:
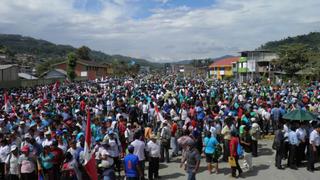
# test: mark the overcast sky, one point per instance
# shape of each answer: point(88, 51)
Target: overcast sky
point(161, 30)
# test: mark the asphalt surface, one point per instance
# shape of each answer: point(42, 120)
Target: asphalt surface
point(263, 169)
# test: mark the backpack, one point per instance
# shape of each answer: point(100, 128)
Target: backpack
point(218, 151)
point(240, 150)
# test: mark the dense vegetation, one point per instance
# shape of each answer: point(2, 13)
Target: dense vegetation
point(46, 53)
point(298, 56)
point(311, 41)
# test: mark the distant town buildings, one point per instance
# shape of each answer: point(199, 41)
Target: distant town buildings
point(54, 74)
point(87, 69)
point(223, 68)
point(254, 65)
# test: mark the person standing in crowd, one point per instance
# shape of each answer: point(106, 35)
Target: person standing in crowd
point(246, 142)
point(57, 160)
point(278, 145)
point(27, 164)
point(69, 168)
point(148, 131)
point(192, 161)
point(209, 144)
point(255, 135)
point(302, 134)
point(106, 164)
point(275, 117)
point(226, 132)
point(293, 145)
point(233, 146)
point(131, 165)
point(165, 137)
point(114, 147)
point(46, 158)
point(314, 148)
point(4, 151)
point(12, 166)
point(129, 133)
point(139, 151)
point(174, 143)
point(153, 148)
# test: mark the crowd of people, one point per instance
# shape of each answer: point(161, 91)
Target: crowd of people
point(152, 119)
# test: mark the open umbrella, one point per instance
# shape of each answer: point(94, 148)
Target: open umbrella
point(300, 115)
point(185, 140)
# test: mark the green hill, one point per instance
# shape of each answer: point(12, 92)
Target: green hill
point(311, 40)
point(44, 51)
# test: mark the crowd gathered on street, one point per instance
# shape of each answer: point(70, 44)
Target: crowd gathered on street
point(148, 120)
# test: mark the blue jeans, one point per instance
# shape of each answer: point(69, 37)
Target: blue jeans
point(191, 175)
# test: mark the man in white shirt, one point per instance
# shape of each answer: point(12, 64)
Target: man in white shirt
point(145, 110)
point(12, 166)
point(301, 133)
point(314, 147)
point(48, 140)
point(139, 148)
point(4, 151)
point(153, 149)
point(128, 133)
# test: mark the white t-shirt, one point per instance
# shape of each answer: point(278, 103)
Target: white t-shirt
point(153, 149)
point(301, 133)
point(4, 151)
point(139, 148)
point(314, 137)
point(145, 108)
point(73, 152)
point(114, 148)
point(12, 161)
point(213, 131)
point(46, 142)
point(184, 114)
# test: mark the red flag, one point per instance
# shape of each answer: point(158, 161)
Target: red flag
point(158, 113)
point(55, 87)
point(89, 159)
point(7, 105)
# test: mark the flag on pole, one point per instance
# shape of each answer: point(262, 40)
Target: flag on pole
point(7, 105)
point(56, 86)
point(158, 113)
point(89, 159)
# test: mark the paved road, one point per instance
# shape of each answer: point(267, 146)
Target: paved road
point(263, 169)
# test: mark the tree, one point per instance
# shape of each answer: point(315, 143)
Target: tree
point(71, 65)
point(293, 58)
point(84, 53)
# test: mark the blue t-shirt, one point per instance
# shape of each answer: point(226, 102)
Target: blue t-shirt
point(46, 161)
point(131, 161)
point(210, 145)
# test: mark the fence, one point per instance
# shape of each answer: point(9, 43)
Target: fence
point(27, 83)
point(30, 83)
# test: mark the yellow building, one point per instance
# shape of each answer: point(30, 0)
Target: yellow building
point(222, 68)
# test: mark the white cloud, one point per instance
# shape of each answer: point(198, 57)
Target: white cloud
point(168, 34)
point(162, 1)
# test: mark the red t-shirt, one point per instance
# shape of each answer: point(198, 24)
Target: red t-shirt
point(174, 128)
point(58, 156)
point(233, 143)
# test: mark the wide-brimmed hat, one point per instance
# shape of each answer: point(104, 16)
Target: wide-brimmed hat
point(13, 147)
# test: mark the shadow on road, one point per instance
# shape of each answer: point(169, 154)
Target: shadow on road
point(172, 176)
point(265, 152)
point(255, 170)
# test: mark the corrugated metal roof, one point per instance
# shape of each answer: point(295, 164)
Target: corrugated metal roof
point(225, 62)
point(26, 76)
point(6, 66)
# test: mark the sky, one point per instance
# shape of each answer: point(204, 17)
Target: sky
point(161, 30)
